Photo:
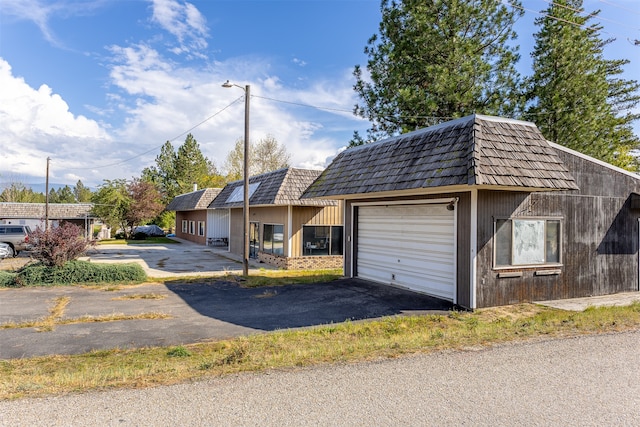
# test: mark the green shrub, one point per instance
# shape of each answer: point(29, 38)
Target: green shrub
point(79, 272)
point(7, 279)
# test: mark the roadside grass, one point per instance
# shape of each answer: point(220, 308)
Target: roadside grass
point(289, 349)
point(148, 240)
point(285, 277)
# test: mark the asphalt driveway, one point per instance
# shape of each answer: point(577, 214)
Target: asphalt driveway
point(209, 310)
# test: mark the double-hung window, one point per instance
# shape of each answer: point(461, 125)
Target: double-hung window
point(185, 226)
point(192, 227)
point(273, 239)
point(200, 228)
point(527, 242)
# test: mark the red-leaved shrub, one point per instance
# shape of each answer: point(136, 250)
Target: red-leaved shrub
point(58, 245)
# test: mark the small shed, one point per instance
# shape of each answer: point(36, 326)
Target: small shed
point(484, 211)
point(192, 221)
point(285, 230)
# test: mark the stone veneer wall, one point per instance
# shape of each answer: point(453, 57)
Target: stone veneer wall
point(302, 263)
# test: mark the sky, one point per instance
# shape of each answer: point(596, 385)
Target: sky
point(98, 86)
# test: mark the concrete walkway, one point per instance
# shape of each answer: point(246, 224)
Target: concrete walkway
point(580, 304)
point(175, 260)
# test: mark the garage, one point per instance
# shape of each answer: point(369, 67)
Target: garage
point(408, 245)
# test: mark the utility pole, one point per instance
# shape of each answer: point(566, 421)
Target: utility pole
point(46, 198)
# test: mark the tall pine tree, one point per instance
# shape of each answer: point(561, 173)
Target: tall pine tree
point(438, 59)
point(578, 98)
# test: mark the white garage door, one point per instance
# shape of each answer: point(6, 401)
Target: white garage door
point(408, 245)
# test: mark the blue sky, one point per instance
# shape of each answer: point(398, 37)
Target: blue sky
point(100, 85)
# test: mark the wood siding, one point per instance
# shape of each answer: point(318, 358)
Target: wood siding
point(301, 215)
point(463, 240)
point(196, 216)
point(599, 238)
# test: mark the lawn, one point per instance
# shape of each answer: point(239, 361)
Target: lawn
point(335, 343)
point(147, 241)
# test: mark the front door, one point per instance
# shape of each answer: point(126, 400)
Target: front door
point(254, 239)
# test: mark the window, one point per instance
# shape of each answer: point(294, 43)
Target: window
point(273, 239)
point(322, 239)
point(192, 227)
point(185, 226)
point(200, 228)
point(527, 242)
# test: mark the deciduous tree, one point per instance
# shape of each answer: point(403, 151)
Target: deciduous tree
point(264, 156)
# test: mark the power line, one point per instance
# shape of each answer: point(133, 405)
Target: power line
point(303, 105)
point(637, 12)
point(158, 147)
point(575, 24)
point(591, 15)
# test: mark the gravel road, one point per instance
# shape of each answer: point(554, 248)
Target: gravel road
point(583, 381)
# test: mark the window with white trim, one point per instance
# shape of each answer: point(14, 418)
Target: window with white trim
point(185, 226)
point(200, 228)
point(192, 227)
point(526, 242)
point(273, 239)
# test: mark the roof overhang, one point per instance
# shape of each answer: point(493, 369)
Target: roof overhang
point(438, 190)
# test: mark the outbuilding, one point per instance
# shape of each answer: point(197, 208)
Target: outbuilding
point(484, 211)
point(193, 220)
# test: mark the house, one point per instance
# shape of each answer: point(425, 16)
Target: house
point(191, 216)
point(285, 230)
point(483, 211)
point(33, 214)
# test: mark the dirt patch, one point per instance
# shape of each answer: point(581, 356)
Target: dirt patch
point(14, 264)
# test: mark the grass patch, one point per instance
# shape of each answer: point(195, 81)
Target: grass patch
point(346, 342)
point(48, 324)
point(138, 296)
point(286, 277)
point(147, 241)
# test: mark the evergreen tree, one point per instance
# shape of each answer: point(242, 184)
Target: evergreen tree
point(191, 166)
point(436, 60)
point(163, 175)
point(19, 193)
point(578, 98)
point(82, 194)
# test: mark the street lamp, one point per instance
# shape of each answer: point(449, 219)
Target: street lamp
point(245, 173)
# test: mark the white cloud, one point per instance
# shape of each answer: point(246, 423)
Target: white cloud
point(161, 100)
point(37, 123)
point(185, 22)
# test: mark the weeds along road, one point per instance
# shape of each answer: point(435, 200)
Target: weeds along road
point(584, 381)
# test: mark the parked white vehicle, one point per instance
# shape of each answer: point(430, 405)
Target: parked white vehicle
point(5, 251)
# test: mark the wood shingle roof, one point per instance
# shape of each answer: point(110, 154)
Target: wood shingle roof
point(474, 150)
point(196, 200)
point(37, 210)
point(282, 187)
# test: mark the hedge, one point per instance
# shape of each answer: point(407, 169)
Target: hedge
point(77, 272)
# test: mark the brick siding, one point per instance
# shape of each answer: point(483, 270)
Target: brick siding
point(302, 263)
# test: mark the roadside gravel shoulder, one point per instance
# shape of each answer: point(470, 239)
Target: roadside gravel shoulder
point(586, 380)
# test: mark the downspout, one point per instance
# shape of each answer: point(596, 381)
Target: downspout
point(289, 229)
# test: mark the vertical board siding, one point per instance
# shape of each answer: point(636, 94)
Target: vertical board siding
point(599, 242)
point(302, 215)
point(312, 215)
point(218, 223)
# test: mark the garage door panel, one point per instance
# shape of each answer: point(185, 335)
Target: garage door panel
point(408, 245)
